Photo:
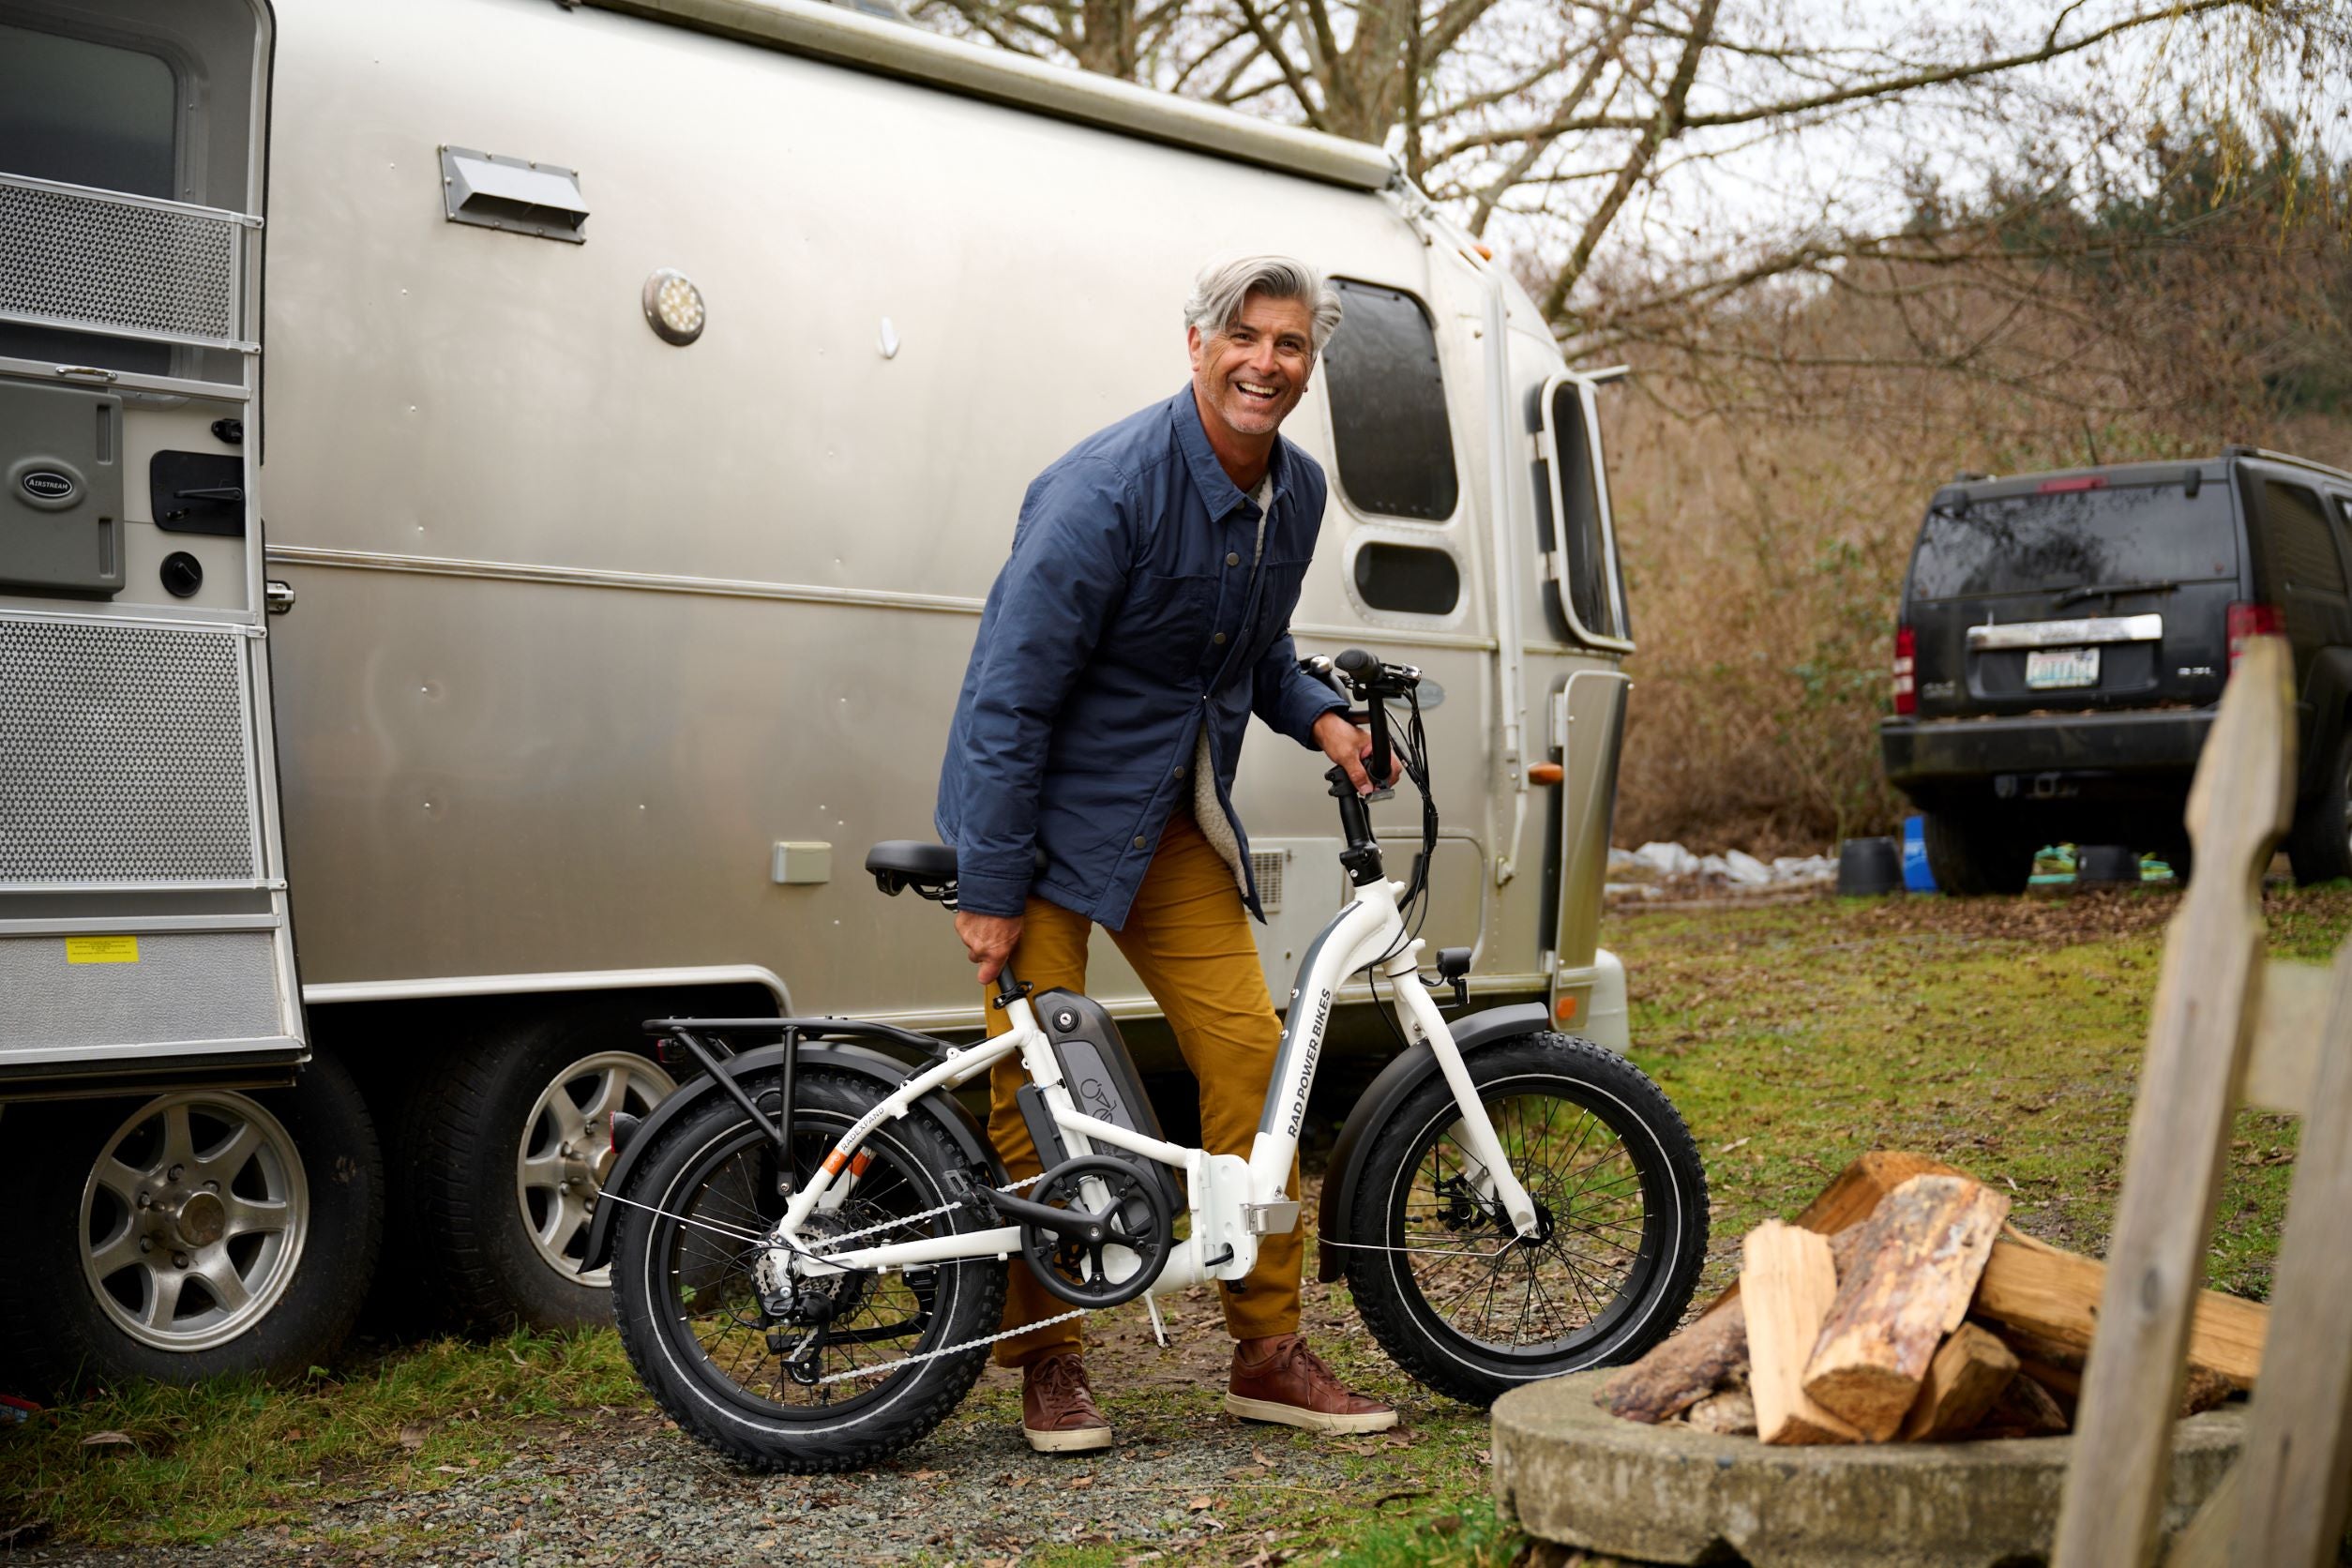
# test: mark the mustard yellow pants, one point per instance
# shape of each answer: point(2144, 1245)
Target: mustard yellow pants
point(1188, 938)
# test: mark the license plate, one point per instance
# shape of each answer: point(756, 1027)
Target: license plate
point(2048, 668)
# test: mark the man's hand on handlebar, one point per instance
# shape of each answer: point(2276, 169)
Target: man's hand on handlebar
point(1345, 744)
point(988, 939)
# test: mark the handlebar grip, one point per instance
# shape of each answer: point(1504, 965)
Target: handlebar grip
point(1357, 663)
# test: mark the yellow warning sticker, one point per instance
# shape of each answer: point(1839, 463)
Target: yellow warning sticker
point(102, 950)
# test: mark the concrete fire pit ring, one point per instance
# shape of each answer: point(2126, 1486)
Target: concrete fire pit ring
point(1575, 1474)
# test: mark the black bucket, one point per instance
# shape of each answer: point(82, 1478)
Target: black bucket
point(1869, 867)
point(2105, 865)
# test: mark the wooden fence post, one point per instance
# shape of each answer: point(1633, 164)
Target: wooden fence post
point(2206, 994)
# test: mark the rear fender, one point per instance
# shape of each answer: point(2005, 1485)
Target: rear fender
point(971, 1140)
point(1397, 1082)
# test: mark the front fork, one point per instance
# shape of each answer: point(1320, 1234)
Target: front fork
point(1422, 1021)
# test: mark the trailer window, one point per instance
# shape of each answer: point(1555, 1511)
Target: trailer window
point(1411, 578)
point(1389, 432)
point(1584, 576)
point(86, 113)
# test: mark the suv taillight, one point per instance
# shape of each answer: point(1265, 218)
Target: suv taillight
point(1906, 664)
point(2251, 620)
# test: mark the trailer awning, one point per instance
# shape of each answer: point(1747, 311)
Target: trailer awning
point(847, 38)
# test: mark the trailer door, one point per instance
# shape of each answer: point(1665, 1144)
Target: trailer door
point(143, 925)
point(1584, 601)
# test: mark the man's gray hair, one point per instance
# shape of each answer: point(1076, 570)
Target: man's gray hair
point(1223, 287)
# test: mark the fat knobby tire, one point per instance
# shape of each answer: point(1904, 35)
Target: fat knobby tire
point(813, 1440)
point(1674, 1188)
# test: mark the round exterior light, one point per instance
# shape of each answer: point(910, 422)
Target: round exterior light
point(673, 307)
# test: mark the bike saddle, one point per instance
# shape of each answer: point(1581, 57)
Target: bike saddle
point(903, 863)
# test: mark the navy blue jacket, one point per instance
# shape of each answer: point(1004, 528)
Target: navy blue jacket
point(1128, 616)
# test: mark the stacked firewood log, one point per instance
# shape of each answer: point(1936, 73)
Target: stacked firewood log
point(1900, 1307)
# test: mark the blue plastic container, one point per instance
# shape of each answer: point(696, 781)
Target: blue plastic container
point(1917, 878)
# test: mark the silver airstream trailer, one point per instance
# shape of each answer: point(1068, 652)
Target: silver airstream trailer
point(499, 494)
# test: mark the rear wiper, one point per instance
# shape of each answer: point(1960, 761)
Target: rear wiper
point(2109, 590)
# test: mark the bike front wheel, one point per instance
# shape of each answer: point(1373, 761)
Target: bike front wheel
point(1443, 1279)
point(775, 1394)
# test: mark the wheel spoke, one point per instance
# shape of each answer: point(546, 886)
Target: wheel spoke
point(120, 1179)
point(247, 1216)
point(220, 1278)
point(223, 1160)
point(179, 1139)
point(542, 1172)
point(116, 1254)
point(163, 1298)
point(613, 1087)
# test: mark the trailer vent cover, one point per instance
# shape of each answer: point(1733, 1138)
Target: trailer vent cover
point(516, 194)
point(1265, 869)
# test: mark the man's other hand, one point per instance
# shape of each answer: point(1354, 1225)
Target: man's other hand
point(1348, 745)
point(989, 940)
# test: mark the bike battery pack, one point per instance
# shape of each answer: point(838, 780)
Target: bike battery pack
point(1100, 1075)
point(1095, 1066)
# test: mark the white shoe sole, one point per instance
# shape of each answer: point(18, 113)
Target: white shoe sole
point(1311, 1421)
point(1084, 1439)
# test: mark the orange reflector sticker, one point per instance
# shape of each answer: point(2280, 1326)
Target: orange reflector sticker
point(834, 1161)
point(857, 1165)
point(1566, 1008)
point(1544, 773)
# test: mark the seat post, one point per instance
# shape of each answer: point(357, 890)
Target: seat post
point(1008, 989)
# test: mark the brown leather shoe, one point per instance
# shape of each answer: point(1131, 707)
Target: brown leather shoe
point(1058, 1413)
point(1279, 1379)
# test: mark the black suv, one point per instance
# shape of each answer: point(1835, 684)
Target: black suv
point(2064, 637)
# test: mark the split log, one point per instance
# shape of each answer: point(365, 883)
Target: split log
point(2034, 1287)
point(1682, 1370)
point(2059, 1369)
point(1964, 1379)
point(1787, 1285)
point(2024, 1410)
point(1712, 1350)
point(1919, 1260)
point(1726, 1415)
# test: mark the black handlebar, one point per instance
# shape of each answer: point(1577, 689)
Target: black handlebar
point(1373, 682)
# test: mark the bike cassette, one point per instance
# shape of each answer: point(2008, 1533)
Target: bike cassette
point(1109, 1240)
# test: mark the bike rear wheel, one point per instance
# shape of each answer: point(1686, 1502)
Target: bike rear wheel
point(1440, 1274)
point(689, 1312)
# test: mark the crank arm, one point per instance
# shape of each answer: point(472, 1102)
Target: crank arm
point(1064, 1223)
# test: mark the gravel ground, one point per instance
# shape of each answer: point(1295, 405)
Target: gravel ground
point(1184, 1483)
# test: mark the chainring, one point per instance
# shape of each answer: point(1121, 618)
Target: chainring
point(1131, 1215)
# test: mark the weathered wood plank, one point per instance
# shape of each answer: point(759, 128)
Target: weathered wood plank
point(2284, 1059)
point(1787, 1283)
point(2198, 1031)
point(2298, 1459)
point(1967, 1376)
point(2035, 1289)
point(1916, 1266)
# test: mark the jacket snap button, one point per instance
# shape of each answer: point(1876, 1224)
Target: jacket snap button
point(1232, 558)
point(1218, 640)
point(1139, 841)
point(1179, 770)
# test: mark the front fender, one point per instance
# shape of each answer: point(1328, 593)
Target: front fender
point(971, 1138)
point(1398, 1080)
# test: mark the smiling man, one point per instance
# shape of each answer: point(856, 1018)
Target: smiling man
point(1143, 617)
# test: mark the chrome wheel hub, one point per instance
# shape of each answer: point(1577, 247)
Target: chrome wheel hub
point(566, 1141)
point(192, 1219)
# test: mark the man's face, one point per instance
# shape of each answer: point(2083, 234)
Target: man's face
point(1251, 376)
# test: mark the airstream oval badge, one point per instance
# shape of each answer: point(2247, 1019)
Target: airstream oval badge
point(47, 484)
point(1432, 694)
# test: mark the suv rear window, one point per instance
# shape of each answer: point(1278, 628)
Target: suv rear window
point(2024, 544)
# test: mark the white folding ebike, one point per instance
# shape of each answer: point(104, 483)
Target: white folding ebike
point(809, 1240)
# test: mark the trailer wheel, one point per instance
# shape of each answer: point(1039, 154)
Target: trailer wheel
point(505, 1146)
point(193, 1234)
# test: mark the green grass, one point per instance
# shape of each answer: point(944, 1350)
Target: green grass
point(153, 1465)
point(2001, 1035)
